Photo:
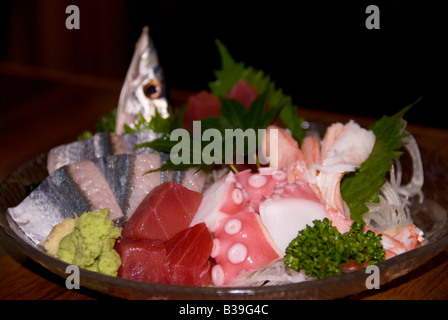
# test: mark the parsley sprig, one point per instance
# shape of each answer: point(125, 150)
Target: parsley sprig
point(322, 251)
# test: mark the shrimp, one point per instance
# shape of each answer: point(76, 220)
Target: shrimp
point(303, 169)
point(344, 149)
point(311, 150)
point(409, 235)
point(288, 150)
point(391, 245)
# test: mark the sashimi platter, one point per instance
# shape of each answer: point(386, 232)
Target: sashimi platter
point(234, 195)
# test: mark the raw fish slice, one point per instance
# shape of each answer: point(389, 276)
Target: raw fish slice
point(182, 260)
point(116, 182)
point(126, 174)
point(44, 208)
point(165, 211)
point(134, 139)
point(84, 186)
point(143, 183)
point(100, 145)
point(70, 190)
point(142, 260)
point(95, 188)
point(127, 178)
point(188, 259)
point(105, 144)
point(192, 179)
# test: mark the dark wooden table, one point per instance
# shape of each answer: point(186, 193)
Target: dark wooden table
point(40, 109)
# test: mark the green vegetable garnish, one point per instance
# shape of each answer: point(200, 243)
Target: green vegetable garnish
point(262, 112)
point(157, 124)
point(86, 134)
point(106, 123)
point(321, 250)
point(234, 116)
point(232, 71)
point(362, 186)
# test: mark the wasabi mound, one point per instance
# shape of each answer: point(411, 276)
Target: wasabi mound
point(91, 244)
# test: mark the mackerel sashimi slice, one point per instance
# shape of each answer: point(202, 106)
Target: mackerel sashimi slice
point(166, 210)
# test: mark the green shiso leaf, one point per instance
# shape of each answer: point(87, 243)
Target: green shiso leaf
point(362, 186)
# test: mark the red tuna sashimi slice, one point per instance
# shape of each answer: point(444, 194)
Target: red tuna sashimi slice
point(200, 106)
point(166, 210)
point(243, 93)
point(188, 259)
point(142, 260)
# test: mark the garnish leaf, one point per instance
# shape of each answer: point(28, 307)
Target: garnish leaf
point(106, 123)
point(86, 134)
point(162, 144)
point(157, 124)
point(234, 115)
point(362, 186)
point(233, 112)
point(141, 125)
point(232, 71)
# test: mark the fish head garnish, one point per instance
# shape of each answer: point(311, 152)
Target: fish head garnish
point(144, 88)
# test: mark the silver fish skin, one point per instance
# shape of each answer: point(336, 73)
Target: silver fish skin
point(117, 182)
point(100, 145)
point(55, 199)
point(144, 89)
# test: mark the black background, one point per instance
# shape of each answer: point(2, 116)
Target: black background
point(319, 52)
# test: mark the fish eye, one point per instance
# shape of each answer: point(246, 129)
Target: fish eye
point(152, 89)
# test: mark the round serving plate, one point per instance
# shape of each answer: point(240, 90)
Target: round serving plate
point(431, 217)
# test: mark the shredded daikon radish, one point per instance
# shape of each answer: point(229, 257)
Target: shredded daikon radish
point(414, 187)
point(393, 209)
point(276, 273)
